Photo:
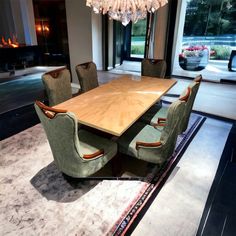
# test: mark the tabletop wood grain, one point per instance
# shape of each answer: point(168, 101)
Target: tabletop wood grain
point(115, 106)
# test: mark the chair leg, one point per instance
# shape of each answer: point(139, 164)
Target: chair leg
point(116, 165)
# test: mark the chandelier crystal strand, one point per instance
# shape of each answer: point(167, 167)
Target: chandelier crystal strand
point(125, 10)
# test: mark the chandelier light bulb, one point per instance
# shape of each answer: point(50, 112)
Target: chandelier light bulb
point(125, 10)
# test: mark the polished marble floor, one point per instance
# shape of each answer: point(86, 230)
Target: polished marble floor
point(178, 208)
point(215, 71)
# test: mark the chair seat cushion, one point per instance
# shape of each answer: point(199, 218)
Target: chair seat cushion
point(138, 132)
point(155, 112)
point(91, 143)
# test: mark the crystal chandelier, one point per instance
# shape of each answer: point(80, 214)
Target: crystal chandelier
point(125, 10)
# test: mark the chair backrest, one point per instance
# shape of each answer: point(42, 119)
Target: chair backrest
point(58, 86)
point(158, 152)
point(194, 86)
point(61, 128)
point(153, 67)
point(87, 75)
point(71, 152)
point(171, 129)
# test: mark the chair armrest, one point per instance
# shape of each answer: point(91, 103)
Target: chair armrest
point(94, 155)
point(160, 122)
point(144, 144)
point(50, 112)
point(186, 97)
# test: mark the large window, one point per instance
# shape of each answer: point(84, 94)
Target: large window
point(134, 40)
point(138, 34)
point(207, 37)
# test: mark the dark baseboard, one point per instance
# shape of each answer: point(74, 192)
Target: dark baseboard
point(228, 81)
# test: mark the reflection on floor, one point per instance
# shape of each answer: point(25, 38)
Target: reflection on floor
point(215, 71)
point(128, 67)
point(212, 98)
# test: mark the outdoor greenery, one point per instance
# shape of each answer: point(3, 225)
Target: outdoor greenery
point(139, 28)
point(138, 35)
point(206, 20)
point(210, 17)
point(219, 52)
point(137, 49)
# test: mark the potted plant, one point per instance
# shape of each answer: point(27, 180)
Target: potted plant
point(194, 57)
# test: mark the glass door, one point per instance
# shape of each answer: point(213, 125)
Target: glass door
point(206, 39)
point(138, 36)
point(134, 40)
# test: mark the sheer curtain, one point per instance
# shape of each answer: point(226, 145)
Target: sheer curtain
point(162, 36)
point(156, 33)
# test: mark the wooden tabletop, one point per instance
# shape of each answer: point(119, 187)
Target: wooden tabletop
point(115, 106)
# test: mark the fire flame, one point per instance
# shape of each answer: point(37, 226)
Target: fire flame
point(9, 43)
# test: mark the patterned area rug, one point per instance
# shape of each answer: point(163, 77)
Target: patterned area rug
point(37, 199)
point(157, 176)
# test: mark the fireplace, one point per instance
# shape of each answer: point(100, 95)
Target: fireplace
point(33, 39)
point(19, 58)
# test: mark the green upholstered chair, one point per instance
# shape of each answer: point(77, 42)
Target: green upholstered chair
point(150, 143)
point(87, 75)
point(76, 152)
point(155, 113)
point(57, 84)
point(153, 67)
point(194, 86)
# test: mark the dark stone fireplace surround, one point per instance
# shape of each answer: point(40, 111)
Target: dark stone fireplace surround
point(13, 59)
point(19, 58)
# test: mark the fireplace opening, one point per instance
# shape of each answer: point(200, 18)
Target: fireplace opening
point(17, 58)
point(9, 43)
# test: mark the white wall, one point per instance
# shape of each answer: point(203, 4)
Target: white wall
point(17, 17)
point(23, 18)
point(79, 25)
point(18, 22)
point(27, 12)
point(97, 39)
point(7, 26)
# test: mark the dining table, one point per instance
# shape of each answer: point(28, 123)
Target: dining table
point(113, 107)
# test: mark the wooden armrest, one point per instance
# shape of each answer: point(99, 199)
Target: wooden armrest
point(94, 155)
point(49, 111)
point(198, 79)
point(144, 144)
point(160, 122)
point(186, 97)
